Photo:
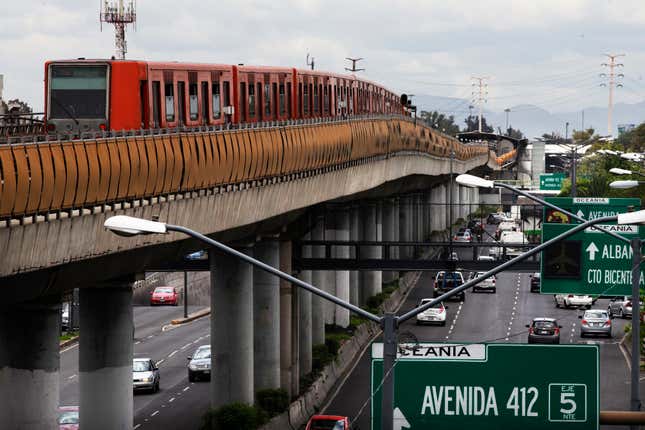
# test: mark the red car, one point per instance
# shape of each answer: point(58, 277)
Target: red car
point(163, 296)
point(328, 422)
point(68, 418)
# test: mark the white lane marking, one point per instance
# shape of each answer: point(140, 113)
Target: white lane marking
point(70, 347)
point(208, 335)
point(160, 361)
point(172, 399)
point(506, 338)
point(137, 343)
point(173, 353)
point(154, 413)
point(72, 377)
point(185, 346)
point(136, 427)
point(151, 336)
point(186, 389)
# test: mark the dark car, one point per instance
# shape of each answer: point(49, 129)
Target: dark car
point(544, 330)
point(494, 218)
point(535, 282)
point(447, 281)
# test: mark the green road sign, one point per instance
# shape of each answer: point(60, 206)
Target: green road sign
point(551, 181)
point(589, 262)
point(490, 386)
point(588, 208)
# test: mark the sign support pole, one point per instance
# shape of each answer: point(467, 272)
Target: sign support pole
point(389, 324)
point(636, 323)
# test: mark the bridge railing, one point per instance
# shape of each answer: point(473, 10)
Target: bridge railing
point(38, 178)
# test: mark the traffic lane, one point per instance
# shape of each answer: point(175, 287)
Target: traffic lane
point(169, 349)
point(149, 319)
point(179, 407)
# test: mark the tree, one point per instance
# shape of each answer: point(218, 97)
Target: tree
point(514, 133)
point(436, 120)
point(472, 124)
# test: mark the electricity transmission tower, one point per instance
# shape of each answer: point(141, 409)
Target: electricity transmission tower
point(354, 61)
point(120, 15)
point(611, 77)
point(480, 94)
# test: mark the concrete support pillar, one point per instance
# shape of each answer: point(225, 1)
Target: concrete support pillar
point(304, 305)
point(389, 236)
point(330, 275)
point(231, 329)
point(371, 281)
point(435, 211)
point(341, 317)
point(354, 235)
point(405, 223)
point(420, 219)
point(396, 219)
point(105, 357)
point(268, 318)
point(289, 326)
point(29, 365)
point(442, 193)
point(463, 201)
point(318, 278)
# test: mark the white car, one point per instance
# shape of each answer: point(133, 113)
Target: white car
point(573, 300)
point(145, 374)
point(463, 236)
point(433, 315)
point(485, 258)
point(486, 285)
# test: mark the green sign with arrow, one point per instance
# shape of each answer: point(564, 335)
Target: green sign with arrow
point(588, 208)
point(551, 181)
point(490, 386)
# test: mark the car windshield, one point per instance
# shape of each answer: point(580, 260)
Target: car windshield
point(164, 290)
point(327, 425)
point(544, 324)
point(596, 314)
point(68, 417)
point(141, 366)
point(435, 306)
point(202, 353)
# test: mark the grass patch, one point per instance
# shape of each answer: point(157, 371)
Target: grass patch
point(68, 335)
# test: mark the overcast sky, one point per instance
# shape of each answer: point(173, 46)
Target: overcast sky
point(543, 52)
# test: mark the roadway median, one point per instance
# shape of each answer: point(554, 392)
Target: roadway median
point(192, 317)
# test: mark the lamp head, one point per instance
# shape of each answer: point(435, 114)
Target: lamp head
point(124, 225)
point(619, 171)
point(637, 217)
point(474, 181)
point(623, 185)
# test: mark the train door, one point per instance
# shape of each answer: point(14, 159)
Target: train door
point(181, 102)
point(156, 104)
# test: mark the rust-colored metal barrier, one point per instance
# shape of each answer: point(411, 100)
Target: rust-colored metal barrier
point(37, 178)
point(617, 418)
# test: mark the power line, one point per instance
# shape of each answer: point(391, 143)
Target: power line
point(612, 77)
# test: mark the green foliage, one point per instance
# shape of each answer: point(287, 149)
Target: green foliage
point(273, 401)
point(438, 121)
point(320, 357)
point(238, 416)
point(472, 124)
point(514, 133)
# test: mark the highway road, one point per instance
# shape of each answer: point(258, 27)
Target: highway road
point(179, 404)
point(499, 317)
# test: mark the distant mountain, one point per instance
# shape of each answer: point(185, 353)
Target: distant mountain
point(534, 121)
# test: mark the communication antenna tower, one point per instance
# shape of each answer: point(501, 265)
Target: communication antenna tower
point(480, 94)
point(310, 63)
point(117, 13)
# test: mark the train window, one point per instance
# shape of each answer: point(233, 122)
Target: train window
point(193, 102)
point(242, 101)
point(275, 100)
point(217, 110)
point(227, 95)
point(289, 99)
point(282, 104)
point(181, 102)
point(170, 102)
point(267, 100)
point(251, 100)
point(204, 102)
point(351, 100)
point(300, 98)
point(260, 97)
point(325, 100)
point(306, 101)
point(315, 98)
point(156, 104)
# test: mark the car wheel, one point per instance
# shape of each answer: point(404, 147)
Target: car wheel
point(463, 297)
point(494, 290)
point(557, 305)
point(609, 314)
point(443, 323)
point(566, 304)
point(156, 387)
point(620, 313)
point(191, 377)
point(582, 335)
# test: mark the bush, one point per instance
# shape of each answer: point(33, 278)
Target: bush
point(238, 416)
point(272, 401)
point(320, 357)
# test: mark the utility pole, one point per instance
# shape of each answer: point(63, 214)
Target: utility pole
point(310, 63)
point(507, 110)
point(480, 92)
point(612, 76)
point(354, 61)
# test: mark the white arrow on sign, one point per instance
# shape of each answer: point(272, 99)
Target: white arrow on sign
point(399, 420)
point(592, 249)
point(580, 213)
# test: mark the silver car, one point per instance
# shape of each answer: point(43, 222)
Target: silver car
point(145, 375)
point(620, 307)
point(595, 321)
point(199, 364)
point(487, 285)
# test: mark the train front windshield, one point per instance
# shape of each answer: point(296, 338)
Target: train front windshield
point(78, 92)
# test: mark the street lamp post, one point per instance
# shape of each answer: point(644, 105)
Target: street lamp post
point(129, 226)
point(636, 246)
